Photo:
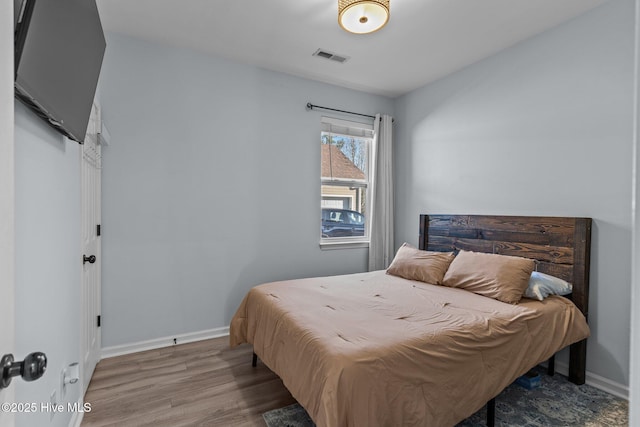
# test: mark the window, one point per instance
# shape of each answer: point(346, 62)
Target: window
point(345, 182)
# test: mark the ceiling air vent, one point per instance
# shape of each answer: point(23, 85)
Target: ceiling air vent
point(331, 56)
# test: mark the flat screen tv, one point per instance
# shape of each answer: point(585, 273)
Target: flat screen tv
point(59, 46)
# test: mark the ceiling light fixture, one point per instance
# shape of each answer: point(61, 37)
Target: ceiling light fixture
point(363, 16)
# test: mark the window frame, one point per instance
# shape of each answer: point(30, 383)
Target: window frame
point(361, 131)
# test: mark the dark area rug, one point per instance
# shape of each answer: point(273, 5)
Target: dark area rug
point(289, 416)
point(557, 402)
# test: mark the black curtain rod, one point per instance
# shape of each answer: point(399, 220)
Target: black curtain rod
point(310, 106)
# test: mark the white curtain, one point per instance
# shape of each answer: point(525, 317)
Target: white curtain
point(381, 248)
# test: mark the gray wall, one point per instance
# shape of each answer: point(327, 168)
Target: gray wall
point(211, 186)
point(48, 254)
point(543, 128)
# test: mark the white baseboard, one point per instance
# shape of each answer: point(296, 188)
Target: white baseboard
point(119, 350)
point(76, 418)
point(598, 382)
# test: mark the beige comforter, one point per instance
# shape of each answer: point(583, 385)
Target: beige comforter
point(372, 349)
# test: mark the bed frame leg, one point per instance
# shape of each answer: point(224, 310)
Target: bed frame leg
point(491, 412)
point(578, 362)
point(551, 366)
point(254, 361)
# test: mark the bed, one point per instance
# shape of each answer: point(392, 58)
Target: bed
point(373, 349)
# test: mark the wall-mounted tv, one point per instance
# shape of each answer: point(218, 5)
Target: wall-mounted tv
point(59, 46)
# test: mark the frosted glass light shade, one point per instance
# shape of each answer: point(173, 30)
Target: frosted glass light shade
point(362, 17)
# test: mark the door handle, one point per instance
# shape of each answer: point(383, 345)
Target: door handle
point(88, 259)
point(30, 369)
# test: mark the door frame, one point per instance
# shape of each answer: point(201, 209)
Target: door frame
point(634, 374)
point(7, 199)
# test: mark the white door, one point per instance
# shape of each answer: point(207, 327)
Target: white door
point(90, 167)
point(7, 202)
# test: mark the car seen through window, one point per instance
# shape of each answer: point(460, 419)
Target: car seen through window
point(342, 223)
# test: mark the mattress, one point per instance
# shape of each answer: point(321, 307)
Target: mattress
point(373, 349)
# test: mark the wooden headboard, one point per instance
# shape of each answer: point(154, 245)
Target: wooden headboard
point(561, 247)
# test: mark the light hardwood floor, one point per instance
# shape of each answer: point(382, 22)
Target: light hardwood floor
point(197, 384)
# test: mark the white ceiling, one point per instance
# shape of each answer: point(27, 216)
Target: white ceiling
point(423, 41)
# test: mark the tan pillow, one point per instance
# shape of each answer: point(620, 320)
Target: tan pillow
point(502, 277)
point(425, 266)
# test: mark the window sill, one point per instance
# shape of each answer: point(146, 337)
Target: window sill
point(343, 244)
